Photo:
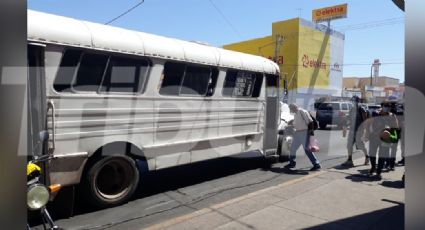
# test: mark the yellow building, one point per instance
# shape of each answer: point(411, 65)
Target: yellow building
point(309, 55)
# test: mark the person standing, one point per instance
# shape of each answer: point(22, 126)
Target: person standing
point(380, 137)
point(302, 134)
point(390, 162)
point(355, 119)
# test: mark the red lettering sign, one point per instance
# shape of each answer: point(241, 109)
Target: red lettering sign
point(311, 63)
point(279, 59)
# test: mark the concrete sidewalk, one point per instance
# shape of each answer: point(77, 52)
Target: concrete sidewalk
point(328, 199)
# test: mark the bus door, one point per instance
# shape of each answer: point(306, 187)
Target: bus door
point(272, 114)
point(36, 99)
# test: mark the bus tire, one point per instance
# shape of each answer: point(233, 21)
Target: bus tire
point(111, 181)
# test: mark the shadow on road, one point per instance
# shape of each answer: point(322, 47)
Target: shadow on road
point(393, 184)
point(361, 178)
point(289, 171)
point(388, 218)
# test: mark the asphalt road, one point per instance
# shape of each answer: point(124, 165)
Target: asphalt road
point(177, 191)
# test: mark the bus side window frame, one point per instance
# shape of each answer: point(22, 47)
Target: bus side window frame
point(256, 76)
point(141, 85)
point(212, 80)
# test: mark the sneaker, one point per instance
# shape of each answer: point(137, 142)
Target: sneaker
point(290, 165)
point(378, 177)
point(401, 162)
point(348, 163)
point(316, 167)
point(366, 161)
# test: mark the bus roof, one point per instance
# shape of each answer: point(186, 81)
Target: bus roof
point(54, 29)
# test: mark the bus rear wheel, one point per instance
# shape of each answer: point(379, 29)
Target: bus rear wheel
point(111, 181)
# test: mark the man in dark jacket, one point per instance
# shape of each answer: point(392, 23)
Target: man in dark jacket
point(355, 119)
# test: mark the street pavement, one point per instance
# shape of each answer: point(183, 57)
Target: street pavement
point(329, 199)
point(181, 191)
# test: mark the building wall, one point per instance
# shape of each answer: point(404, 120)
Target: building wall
point(260, 46)
point(310, 58)
point(383, 87)
point(288, 49)
point(361, 82)
point(350, 82)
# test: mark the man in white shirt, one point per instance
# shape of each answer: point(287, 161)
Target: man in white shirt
point(301, 137)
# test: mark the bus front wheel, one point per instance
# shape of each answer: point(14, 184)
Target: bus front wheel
point(111, 181)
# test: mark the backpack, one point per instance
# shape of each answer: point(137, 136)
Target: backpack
point(314, 125)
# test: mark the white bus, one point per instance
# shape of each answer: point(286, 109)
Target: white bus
point(114, 100)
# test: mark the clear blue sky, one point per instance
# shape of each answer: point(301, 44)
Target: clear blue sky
point(199, 20)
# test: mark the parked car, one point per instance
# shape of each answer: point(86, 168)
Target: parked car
point(372, 110)
point(332, 113)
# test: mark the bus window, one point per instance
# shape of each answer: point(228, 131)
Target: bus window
point(212, 82)
point(66, 71)
point(242, 84)
point(173, 75)
point(196, 80)
point(125, 75)
point(188, 80)
point(257, 86)
point(90, 72)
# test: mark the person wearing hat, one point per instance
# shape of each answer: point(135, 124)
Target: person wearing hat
point(301, 136)
point(380, 134)
point(355, 119)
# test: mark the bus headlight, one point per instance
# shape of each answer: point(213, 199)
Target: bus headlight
point(37, 196)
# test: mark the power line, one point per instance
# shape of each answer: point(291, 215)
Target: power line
point(374, 25)
point(349, 64)
point(126, 12)
point(371, 22)
point(225, 19)
point(359, 26)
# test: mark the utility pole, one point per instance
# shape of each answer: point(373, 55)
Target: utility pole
point(278, 42)
point(299, 12)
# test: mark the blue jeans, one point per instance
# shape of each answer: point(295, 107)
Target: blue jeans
point(301, 137)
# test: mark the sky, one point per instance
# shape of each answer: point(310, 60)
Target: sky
point(373, 29)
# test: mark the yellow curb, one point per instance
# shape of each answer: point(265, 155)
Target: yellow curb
point(204, 211)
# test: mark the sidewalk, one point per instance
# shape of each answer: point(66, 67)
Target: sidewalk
point(328, 199)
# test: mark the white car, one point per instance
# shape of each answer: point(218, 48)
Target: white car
point(285, 132)
point(285, 115)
